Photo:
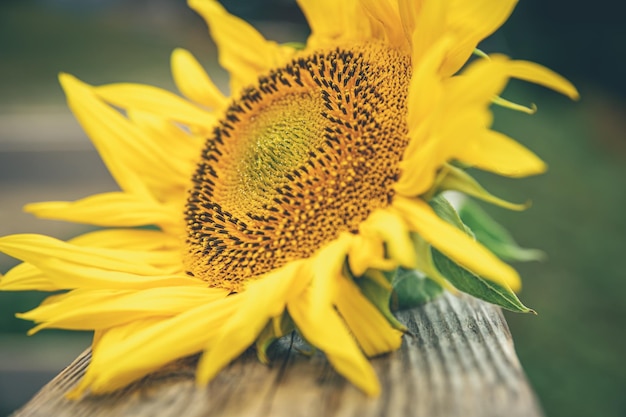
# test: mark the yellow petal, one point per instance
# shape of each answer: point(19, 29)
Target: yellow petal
point(25, 277)
point(243, 51)
point(131, 239)
point(326, 267)
point(181, 146)
point(538, 74)
point(67, 266)
point(408, 10)
point(495, 152)
point(145, 347)
point(328, 332)
point(334, 21)
point(193, 81)
point(418, 178)
point(449, 134)
point(472, 21)
point(425, 91)
point(454, 243)
point(262, 300)
point(371, 329)
point(429, 28)
point(114, 137)
point(395, 234)
point(324, 20)
point(103, 340)
point(367, 251)
point(386, 15)
point(136, 157)
point(29, 247)
point(150, 247)
point(156, 101)
point(485, 79)
point(102, 309)
point(66, 275)
point(477, 85)
point(171, 153)
point(107, 209)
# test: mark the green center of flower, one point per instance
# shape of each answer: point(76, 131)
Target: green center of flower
point(307, 153)
point(274, 142)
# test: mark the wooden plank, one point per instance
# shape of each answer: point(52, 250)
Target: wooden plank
point(457, 360)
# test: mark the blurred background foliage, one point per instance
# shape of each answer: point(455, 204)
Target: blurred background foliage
point(573, 351)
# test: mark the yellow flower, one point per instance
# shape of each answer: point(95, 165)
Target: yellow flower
point(269, 207)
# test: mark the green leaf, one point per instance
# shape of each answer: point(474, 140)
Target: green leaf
point(463, 279)
point(467, 282)
point(495, 237)
point(412, 289)
point(456, 179)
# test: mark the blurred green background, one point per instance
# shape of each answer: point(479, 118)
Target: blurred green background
point(572, 351)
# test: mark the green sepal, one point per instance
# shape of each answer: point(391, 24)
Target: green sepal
point(276, 328)
point(456, 179)
point(495, 237)
point(298, 46)
point(476, 286)
point(446, 212)
point(381, 296)
point(413, 289)
point(480, 53)
point(502, 102)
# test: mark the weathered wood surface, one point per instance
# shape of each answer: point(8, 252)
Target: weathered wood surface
point(458, 360)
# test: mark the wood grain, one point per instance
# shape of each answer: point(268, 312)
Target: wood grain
point(457, 360)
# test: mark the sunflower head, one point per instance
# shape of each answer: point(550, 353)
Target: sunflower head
point(296, 160)
point(306, 201)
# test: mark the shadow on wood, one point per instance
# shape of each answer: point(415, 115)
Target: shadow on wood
point(457, 360)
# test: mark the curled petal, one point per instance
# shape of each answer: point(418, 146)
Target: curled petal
point(394, 233)
point(367, 251)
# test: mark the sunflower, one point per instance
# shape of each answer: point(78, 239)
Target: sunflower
point(241, 219)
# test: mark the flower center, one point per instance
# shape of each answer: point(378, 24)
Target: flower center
point(307, 153)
